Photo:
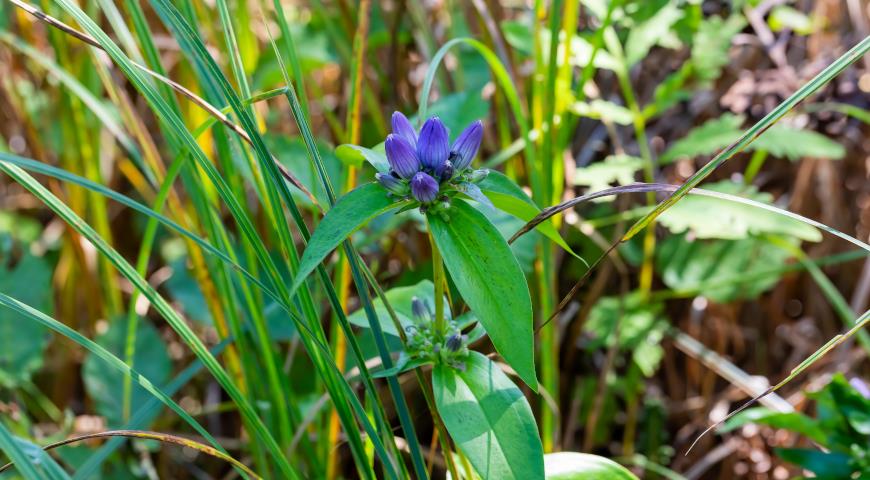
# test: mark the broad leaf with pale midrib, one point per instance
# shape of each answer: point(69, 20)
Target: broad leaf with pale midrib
point(489, 419)
point(491, 282)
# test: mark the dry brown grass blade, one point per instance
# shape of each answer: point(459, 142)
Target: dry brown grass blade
point(160, 437)
point(181, 89)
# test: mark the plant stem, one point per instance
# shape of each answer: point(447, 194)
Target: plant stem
point(438, 280)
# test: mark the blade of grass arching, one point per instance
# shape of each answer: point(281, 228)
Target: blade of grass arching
point(338, 388)
point(106, 356)
point(156, 436)
point(353, 127)
point(395, 389)
point(802, 93)
point(199, 52)
point(859, 324)
point(160, 304)
point(290, 51)
point(285, 427)
point(736, 376)
point(143, 416)
point(26, 466)
point(839, 304)
point(107, 118)
point(143, 257)
point(192, 238)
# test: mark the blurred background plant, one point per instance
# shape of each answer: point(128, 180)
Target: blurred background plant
point(165, 221)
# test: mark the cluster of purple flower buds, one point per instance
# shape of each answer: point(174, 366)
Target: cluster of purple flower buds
point(449, 347)
point(425, 165)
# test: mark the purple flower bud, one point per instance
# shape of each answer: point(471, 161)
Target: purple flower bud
point(403, 128)
point(454, 342)
point(433, 146)
point(424, 187)
point(420, 310)
point(392, 184)
point(466, 145)
point(401, 156)
point(446, 172)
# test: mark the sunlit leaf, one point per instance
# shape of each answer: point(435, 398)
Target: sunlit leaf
point(490, 281)
point(350, 212)
point(583, 466)
point(489, 419)
point(710, 217)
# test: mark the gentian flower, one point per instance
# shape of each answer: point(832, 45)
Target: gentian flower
point(425, 165)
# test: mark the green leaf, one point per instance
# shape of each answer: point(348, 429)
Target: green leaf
point(707, 139)
point(721, 270)
point(488, 277)
point(618, 169)
point(779, 140)
point(355, 155)
point(791, 421)
point(349, 213)
point(642, 37)
point(826, 465)
point(583, 466)
point(784, 17)
point(22, 342)
point(400, 299)
point(795, 143)
point(508, 197)
point(640, 324)
point(711, 43)
point(603, 110)
point(711, 217)
point(103, 382)
point(30, 461)
point(489, 419)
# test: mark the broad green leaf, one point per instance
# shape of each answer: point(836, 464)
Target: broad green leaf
point(489, 419)
point(490, 281)
point(103, 382)
point(524, 247)
point(711, 217)
point(826, 465)
point(583, 466)
point(721, 270)
point(508, 197)
point(355, 155)
point(349, 213)
point(642, 37)
point(400, 299)
point(640, 324)
point(21, 342)
point(601, 175)
point(795, 143)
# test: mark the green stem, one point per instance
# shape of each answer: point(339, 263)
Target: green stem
point(438, 280)
point(755, 164)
